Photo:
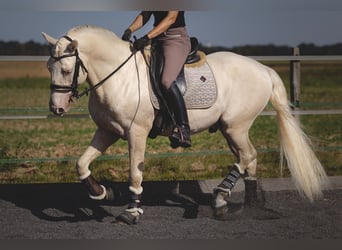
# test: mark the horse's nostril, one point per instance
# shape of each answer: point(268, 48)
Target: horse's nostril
point(59, 111)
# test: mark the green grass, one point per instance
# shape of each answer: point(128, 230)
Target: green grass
point(32, 142)
point(208, 158)
point(29, 95)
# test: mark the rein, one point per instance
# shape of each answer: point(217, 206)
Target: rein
point(87, 90)
point(78, 64)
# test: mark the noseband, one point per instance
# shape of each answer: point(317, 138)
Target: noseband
point(78, 64)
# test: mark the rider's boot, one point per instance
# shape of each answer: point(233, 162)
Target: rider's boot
point(181, 132)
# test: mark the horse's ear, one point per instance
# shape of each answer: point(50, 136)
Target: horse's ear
point(72, 46)
point(52, 41)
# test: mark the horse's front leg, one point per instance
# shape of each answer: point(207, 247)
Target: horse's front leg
point(137, 145)
point(100, 142)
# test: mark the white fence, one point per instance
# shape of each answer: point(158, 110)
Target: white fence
point(258, 58)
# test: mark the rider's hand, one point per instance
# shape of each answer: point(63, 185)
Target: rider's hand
point(127, 35)
point(141, 43)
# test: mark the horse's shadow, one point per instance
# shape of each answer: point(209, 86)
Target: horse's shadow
point(54, 202)
point(70, 202)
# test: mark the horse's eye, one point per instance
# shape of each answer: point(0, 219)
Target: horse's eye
point(66, 72)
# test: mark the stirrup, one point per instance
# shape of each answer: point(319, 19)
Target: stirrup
point(181, 137)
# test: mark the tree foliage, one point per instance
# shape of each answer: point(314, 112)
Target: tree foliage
point(14, 48)
point(37, 49)
point(275, 50)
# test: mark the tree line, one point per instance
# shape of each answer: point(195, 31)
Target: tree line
point(33, 48)
point(276, 50)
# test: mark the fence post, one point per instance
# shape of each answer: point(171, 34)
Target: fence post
point(295, 79)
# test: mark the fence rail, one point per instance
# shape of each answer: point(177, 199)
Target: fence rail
point(150, 155)
point(68, 116)
point(258, 58)
point(24, 58)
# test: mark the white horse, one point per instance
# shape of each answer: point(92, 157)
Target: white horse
point(121, 107)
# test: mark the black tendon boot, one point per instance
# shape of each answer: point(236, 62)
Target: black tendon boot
point(181, 133)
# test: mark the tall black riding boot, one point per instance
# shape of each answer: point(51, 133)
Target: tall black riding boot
point(181, 133)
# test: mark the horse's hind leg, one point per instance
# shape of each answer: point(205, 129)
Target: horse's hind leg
point(100, 142)
point(240, 144)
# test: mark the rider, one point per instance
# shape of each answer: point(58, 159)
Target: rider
point(170, 32)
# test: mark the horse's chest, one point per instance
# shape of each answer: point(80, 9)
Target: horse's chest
point(106, 120)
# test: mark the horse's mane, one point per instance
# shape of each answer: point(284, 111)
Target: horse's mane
point(95, 31)
point(73, 32)
point(92, 28)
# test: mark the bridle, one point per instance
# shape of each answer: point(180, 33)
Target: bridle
point(74, 85)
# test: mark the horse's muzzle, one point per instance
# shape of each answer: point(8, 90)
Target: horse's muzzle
point(59, 103)
point(57, 111)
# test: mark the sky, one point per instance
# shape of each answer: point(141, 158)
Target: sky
point(214, 22)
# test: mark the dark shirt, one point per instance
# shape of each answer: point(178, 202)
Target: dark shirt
point(160, 15)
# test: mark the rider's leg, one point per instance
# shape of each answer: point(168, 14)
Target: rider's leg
point(181, 134)
point(176, 47)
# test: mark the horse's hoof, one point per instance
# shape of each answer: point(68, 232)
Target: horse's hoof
point(220, 213)
point(127, 218)
point(110, 196)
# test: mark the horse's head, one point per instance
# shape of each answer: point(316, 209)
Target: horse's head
point(66, 70)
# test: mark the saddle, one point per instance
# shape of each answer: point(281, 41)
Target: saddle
point(195, 59)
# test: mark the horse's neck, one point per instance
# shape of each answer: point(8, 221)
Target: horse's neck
point(104, 57)
point(107, 58)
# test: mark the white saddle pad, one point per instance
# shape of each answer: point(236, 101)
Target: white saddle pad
point(201, 90)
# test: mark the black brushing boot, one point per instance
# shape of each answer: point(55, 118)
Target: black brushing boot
point(181, 133)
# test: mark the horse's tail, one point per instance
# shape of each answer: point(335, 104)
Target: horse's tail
point(306, 170)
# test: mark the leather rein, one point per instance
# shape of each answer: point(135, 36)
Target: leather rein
point(74, 85)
